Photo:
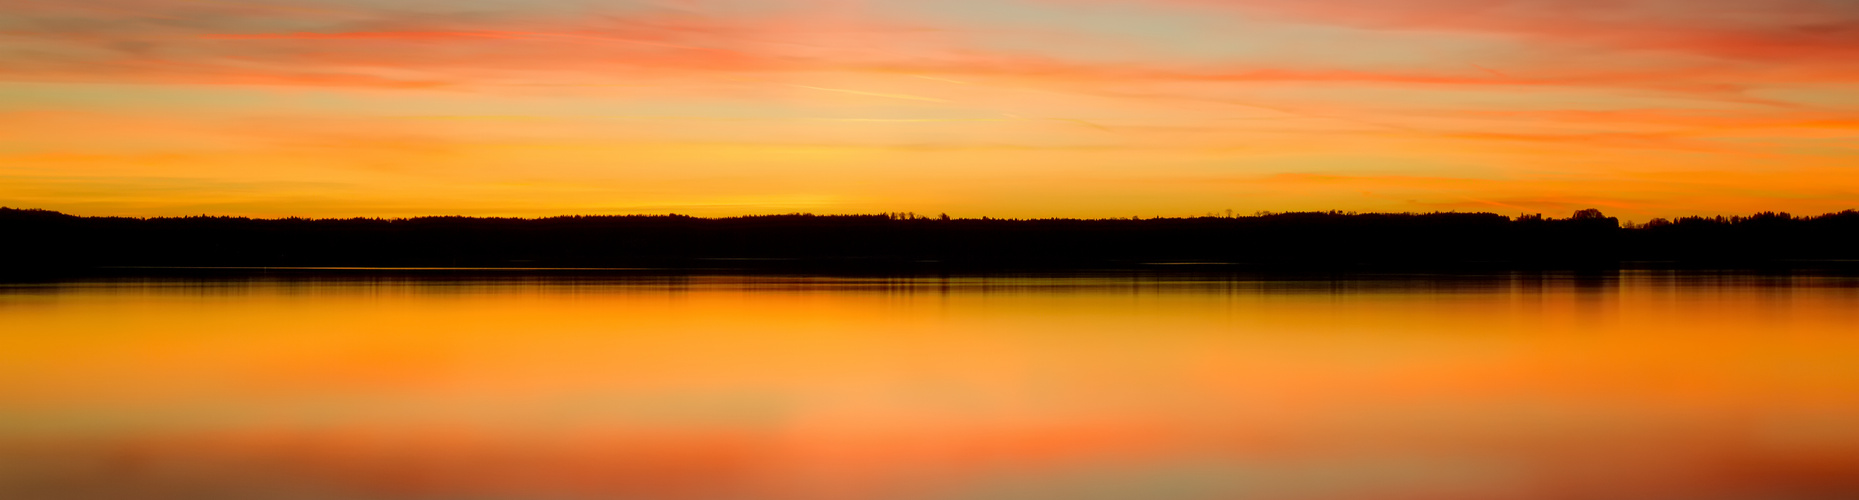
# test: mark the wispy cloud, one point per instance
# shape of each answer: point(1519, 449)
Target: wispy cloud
point(874, 94)
point(1464, 96)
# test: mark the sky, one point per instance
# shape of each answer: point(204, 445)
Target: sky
point(1004, 108)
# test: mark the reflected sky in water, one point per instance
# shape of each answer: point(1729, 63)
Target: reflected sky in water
point(1629, 385)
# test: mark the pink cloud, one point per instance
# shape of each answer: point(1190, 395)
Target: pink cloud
point(216, 43)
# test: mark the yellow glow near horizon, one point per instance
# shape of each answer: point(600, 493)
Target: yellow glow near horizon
point(1077, 108)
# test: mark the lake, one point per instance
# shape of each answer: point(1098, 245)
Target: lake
point(1152, 386)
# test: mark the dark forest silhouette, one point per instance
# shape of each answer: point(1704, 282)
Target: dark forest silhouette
point(41, 240)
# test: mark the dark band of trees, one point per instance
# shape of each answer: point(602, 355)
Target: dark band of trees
point(40, 239)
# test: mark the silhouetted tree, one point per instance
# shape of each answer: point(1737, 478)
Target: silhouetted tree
point(40, 239)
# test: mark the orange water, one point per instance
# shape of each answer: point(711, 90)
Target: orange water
point(1633, 385)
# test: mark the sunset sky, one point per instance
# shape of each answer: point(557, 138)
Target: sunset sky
point(1015, 108)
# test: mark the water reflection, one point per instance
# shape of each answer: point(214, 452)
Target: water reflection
point(1641, 384)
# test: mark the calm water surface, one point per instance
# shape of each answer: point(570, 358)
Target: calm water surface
point(1631, 385)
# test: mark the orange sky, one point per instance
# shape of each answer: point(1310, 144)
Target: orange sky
point(1022, 108)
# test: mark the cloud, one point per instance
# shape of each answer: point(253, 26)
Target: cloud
point(1751, 30)
point(138, 41)
point(1486, 88)
point(874, 94)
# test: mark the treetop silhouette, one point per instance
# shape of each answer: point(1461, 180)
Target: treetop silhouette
point(43, 239)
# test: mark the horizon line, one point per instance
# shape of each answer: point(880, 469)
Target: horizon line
point(909, 215)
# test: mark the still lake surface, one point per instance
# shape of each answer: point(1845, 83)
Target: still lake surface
point(1617, 385)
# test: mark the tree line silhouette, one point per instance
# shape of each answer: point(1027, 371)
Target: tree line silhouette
point(47, 240)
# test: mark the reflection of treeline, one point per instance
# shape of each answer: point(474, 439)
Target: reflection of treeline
point(44, 239)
